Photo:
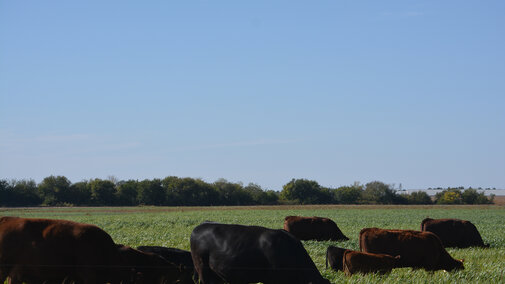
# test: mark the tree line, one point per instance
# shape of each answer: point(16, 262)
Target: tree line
point(176, 191)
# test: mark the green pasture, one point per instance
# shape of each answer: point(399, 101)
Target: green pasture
point(172, 226)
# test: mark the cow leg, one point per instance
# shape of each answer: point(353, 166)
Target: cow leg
point(207, 276)
point(14, 281)
point(205, 273)
point(3, 276)
point(87, 276)
point(430, 267)
point(5, 270)
point(14, 274)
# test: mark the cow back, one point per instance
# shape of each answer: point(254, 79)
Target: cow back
point(179, 257)
point(454, 232)
point(52, 250)
point(313, 228)
point(417, 249)
point(147, 267)
point(250, 254)
point(363, 262)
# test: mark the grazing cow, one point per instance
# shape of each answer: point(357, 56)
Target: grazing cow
point(148, 267)
point(364, 262)
point(225, 253)
point(417, 249)
point(53, 251)
point(313, 228)
point(335, 256)
point(454, 232)
point(179, 257)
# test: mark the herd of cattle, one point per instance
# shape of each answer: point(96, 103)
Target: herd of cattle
point(61, 251)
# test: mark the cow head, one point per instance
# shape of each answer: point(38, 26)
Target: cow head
point(457, 264)
point(146, 267)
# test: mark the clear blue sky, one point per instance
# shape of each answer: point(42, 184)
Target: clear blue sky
point(409, 92)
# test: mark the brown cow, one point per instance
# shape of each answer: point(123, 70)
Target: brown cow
point(44, 250)
point(313, 228)
point(417, 249)
point(364, 262)
point(334, 256)
point(454, 232)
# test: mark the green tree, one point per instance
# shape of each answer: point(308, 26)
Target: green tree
point(80, 193)
point(24, 193)
point(5, 193)
point(270, 197)
point(127, 192)
point(260, 196)
point(327, 196)
point(103, 192)
point(483, 199)
point(151, 192)
point(54, 190)
point(379, 192)
point(419, 197)
point(302, 191)
point(469, 196)
point(348, 194)
point(190, 192)
point(232, 193)
point(449, 196)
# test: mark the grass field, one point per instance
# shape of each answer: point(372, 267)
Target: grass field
point(172, 226)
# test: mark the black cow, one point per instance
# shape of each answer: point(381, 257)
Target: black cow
point(179, 257)
point(225, 253)
point(335, 256)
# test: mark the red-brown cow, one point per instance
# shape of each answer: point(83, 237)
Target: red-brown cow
point(364, 262)
point(44, 250)
point(313, 228)
point(454, 232)
point(417, 249)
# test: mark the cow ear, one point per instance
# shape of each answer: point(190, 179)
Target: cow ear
point(462, 260)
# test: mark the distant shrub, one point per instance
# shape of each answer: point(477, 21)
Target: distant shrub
point(482, 199)
point(468, 196)
point(348, 194)
point(418, 197)
point(176, 191)
point(472, 196)
point(261, 196)
point(449, 196)
point(302, 191)
point(380, 193)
